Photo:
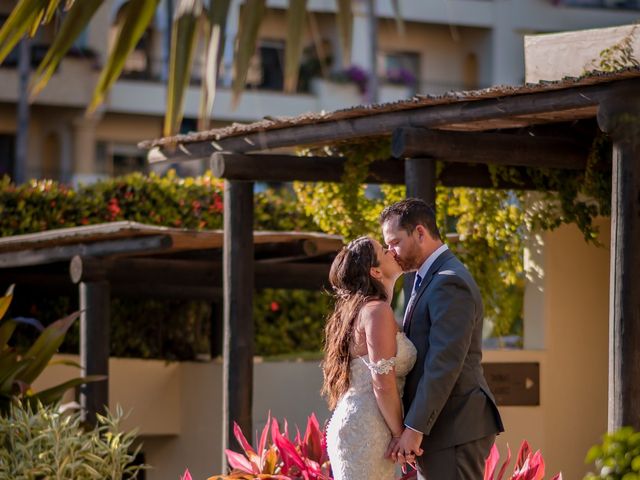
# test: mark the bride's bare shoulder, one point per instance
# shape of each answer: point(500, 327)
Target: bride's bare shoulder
point(376, 310)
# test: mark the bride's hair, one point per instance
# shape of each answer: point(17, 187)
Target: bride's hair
point(353, 286)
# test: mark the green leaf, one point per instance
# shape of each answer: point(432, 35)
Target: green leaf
point(46, 346)
point(136, 17)
point(217, 18)
point(183, 42)
point(73, 25)
point(53, 394)
point(17, 25)
point(6, 330)
point(345, 25)
point(12, 373)
point(252, 14)
point(6, 301)
point(293, 50)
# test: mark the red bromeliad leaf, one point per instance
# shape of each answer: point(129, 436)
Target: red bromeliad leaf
point(503, 469)
point(538, 461)
point(523, 454)
point(313, 440)
point(491, 462)
point(263, 437)
point(288, 452)
point(186, 475)
point(557, 476)
point(253, 457)
point(240, 462)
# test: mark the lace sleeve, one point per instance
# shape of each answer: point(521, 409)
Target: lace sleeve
point(382, 366)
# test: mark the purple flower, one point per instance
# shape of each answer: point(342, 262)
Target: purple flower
point(401, 76)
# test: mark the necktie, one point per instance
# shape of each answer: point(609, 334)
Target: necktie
point(416, 286)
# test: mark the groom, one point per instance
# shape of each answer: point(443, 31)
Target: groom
point(451, 417)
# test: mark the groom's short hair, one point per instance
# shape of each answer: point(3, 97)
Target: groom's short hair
point(412, 212)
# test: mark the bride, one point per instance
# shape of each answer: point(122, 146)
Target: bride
point(366, 360)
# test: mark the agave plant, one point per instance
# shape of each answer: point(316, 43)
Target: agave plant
point(303, 458)
point(18, 369)
point(529, 466)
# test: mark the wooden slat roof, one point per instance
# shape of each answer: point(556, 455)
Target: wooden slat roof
point(182, 239)
point(419, 102)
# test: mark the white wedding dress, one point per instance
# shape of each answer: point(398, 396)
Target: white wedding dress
point(357, 435)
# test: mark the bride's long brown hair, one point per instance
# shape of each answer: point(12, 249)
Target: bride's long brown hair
point(353, 287)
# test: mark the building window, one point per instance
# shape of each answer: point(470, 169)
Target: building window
point(267, 66)
point(7, 154)
point(401, 68)
point(117, 159)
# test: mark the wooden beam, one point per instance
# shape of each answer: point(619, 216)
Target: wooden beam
point(152, 273)
point(620, 117)
point(490, 148)
point(421, 180)
point(429, 116)
point(289, 168)
point(238, 346)
point(94, 347)
point(391, 171)
point(149, 244)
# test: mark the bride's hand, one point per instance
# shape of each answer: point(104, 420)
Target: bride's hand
point(392, 447)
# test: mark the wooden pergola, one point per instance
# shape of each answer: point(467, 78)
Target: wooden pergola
point(544, 125)
point(128, 259)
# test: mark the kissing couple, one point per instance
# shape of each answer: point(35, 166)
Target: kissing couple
point(413, 394)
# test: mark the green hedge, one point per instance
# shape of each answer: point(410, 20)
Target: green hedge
point(285, 321)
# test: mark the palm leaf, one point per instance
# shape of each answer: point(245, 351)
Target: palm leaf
point(252, 15)
point(45, 346)
point(217, 18)
point(17, 25)
point(295, 28)
point(136, 17)
point(72, 26)
point(53, 394)
point(11, 373)
point(345, 25)
point(183, 42)
point(51, 11)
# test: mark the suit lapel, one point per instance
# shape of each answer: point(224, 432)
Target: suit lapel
point(433, 269)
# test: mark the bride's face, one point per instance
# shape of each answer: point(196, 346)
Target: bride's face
point(387, 264)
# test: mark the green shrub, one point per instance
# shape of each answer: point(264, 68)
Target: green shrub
point(617, 457)
point(42, 443)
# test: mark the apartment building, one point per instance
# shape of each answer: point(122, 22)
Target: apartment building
point(446, 45)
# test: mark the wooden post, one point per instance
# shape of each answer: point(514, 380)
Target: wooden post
point(94, 346)
point(619, 116)
point(420, 179)
point(238, 349)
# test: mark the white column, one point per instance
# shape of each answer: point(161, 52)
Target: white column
point(360, 48)
point(233, 19)
point(84, 150)
point(507, 46)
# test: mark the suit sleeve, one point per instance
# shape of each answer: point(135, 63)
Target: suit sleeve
point(452, 312)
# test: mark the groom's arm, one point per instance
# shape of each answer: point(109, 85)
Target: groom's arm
point(452, 313)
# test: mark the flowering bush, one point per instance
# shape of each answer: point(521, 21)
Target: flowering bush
point(354, 74)
point(401, 76)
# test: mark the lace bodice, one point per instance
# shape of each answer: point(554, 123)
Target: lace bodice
point(357, 435)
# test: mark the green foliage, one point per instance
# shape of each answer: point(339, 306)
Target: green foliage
point(19, 368)
point(617, 457)
point(40, 442)
point(289, 321)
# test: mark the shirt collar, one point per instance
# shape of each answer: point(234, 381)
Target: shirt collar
point(424, 268)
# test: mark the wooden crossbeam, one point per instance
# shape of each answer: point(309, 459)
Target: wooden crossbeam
point(490, 148)
point(287, 168)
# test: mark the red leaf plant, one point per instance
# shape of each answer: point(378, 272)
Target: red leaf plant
point(529, 466)
point(303, 458)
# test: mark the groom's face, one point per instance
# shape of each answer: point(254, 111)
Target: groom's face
point(402, 244)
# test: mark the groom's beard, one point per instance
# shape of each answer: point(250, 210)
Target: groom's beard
point(410, 262)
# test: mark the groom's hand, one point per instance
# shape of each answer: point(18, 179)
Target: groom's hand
point(408, 447)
